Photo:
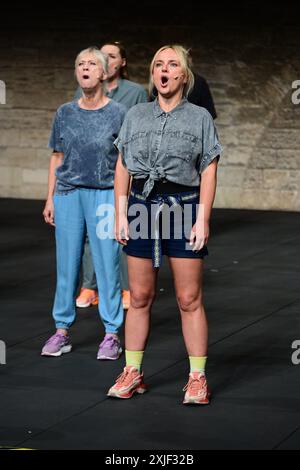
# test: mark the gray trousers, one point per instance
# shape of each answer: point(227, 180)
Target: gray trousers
point(88, 273)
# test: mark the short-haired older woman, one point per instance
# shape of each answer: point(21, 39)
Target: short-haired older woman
point(168, 147)
point(124, 91)
point(80, 195)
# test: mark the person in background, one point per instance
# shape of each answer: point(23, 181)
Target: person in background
point(81, 179)
point(124, 91)
point(201, 94)
point(170, 148)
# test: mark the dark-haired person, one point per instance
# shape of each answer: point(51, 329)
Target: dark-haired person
point(201, 94)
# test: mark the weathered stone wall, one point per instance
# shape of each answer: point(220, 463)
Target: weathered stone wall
point(250, 66)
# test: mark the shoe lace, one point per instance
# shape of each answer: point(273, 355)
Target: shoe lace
point(108, 339)
point(56, 338)
point(124, 378)
point(196, 385)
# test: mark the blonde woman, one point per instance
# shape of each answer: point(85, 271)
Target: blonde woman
point(169, 147)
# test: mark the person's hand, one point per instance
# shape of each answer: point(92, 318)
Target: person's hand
point(122, 230)
point(48, 212)
point(199, 234)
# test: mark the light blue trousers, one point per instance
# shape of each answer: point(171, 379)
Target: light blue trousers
point(75, 213)
point(88, 272)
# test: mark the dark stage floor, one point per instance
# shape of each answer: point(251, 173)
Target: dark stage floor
point(252, 296)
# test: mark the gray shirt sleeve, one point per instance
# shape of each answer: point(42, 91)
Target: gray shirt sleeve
point(211, 147)
point(120, 140)
point(55, 140)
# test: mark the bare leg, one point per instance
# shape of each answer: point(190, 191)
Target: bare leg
point(188, 275)
point(62, 331)
point(142, 284)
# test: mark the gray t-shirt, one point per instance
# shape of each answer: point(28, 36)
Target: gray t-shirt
point(176, 146)
point(86, 139)
point(127, 92)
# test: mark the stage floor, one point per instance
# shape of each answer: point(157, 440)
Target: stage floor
point(252, 298)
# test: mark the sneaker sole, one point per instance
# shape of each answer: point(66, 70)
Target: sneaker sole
point(102, 357)
point(87, 304)
point(191, 401)
point(64, 350)
point(194, 401)
point(139, 390)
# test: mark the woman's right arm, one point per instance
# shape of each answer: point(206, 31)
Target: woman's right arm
point(122, 180)
point(48, 212)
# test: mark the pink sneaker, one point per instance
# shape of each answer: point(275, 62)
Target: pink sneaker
point(86, 298)
point(126, 299)
point(196, 390)
point(128, 383)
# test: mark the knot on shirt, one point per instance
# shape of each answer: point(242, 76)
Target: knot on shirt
point(155, 174)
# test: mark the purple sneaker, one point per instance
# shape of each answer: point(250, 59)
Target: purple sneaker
point(57, 345)
point(110, 348)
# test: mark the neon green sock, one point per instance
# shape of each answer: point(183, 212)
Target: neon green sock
point(197, 363)
point(134, 358)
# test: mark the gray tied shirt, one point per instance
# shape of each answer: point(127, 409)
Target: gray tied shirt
point(176, 146)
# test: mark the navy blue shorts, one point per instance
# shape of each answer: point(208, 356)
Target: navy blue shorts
point(161, 225)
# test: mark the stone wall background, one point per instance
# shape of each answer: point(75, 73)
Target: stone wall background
point(249, 56)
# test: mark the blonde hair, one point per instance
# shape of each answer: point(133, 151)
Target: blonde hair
point(97, 53)
point(183, 55)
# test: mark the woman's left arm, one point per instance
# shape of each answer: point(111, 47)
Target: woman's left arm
point(200, 231)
